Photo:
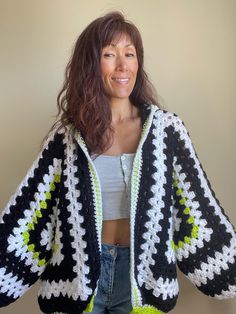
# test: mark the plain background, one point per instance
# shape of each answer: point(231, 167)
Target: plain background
point(190, 56)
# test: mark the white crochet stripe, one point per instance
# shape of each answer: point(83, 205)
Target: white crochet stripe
point(164, 288)
point(16, 240)
point(11, 285)
point(214, 265)
point(47, 234)
point(179, 126)
point(24, 182)
point(96, 187)
point(231, 293)
point(78, 288)
point(160, 135)
point(72, 289)
point(145, 276)
point(57, 256)
point(204, 233)
point(77, 231)
point(136, 297)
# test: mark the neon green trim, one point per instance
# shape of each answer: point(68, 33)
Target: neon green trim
point(194, 233)
point(89, 307)
point(37, 215)
point(187, 211)
point(135, 295)
point(190, 220)
point(175, 183)
point(55, 247)
point(36, 255)
point(57, 178)
point(25, 235)
point(48, 196)
point(136, 171)
point(179, 191)
point(187, 240)
point(98, 200)
point(31, 247)
point(52, 187)
point(146, 309)
point(182, 201)
point(42, 262)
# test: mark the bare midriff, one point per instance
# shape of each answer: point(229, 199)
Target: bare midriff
point(116, 231)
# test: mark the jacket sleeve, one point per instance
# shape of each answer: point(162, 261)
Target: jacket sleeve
point(27, 224)
point(204, 240)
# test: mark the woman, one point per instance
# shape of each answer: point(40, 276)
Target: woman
point(117, 196)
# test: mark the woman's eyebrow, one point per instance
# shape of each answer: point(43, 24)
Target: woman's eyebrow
point(128, 45)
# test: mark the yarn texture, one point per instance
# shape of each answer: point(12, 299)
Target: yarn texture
point(51, 228)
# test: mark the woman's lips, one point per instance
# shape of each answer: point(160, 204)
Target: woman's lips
point(121, 81)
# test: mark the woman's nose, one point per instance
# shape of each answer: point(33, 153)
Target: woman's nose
point(121, 64)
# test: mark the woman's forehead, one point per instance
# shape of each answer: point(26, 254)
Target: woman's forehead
point(122, 37)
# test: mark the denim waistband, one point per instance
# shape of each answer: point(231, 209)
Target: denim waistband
point(115, 250)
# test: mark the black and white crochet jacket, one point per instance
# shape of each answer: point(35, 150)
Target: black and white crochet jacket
point(51, 228)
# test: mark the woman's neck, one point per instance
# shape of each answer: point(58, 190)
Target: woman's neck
point(123, 110)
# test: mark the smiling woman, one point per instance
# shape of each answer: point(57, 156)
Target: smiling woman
point(119, 67)
point(117, 197)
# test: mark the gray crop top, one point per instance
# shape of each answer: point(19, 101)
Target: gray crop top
point(114, 174)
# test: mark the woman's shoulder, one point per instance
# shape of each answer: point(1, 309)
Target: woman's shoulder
point(58, 135)
point(168, 118)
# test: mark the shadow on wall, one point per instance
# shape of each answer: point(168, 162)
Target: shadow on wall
point(193, 301)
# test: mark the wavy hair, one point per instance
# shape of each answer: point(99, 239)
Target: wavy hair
point(82, 100)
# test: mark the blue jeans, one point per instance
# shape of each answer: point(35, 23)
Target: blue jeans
point(114, 291)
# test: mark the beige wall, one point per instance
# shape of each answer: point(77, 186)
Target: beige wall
point(190, 48)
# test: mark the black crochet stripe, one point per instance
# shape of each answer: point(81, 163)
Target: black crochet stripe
point(5, 300)
point(23, 201)
point(144, 194)
point(220, 282)
point(160, 304)
point(64, 270)
point(161, 268)
point(62, 304)
point(165, 269)
point(16, 266)
point(89, 224)
point(220, 237)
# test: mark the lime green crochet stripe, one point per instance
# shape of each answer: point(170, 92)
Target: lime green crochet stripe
point(191, 221)
point(34, 221)
point(148, 309)
point(135, 192)
point(89, 307)
point(98, 196)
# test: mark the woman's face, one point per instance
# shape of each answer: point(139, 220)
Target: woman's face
point(119, 67)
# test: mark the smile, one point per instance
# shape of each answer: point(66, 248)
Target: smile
point(120, 80)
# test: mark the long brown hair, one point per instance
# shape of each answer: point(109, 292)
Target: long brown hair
point(82, 100)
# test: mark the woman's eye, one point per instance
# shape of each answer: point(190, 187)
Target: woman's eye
point(130, 54)
point(108, 54)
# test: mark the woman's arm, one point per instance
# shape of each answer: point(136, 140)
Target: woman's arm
point(204, 239)
point(27, 223)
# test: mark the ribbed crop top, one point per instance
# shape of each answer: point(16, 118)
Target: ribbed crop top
point(114, 173)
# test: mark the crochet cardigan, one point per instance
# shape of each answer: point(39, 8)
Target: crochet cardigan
point(51, 228)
